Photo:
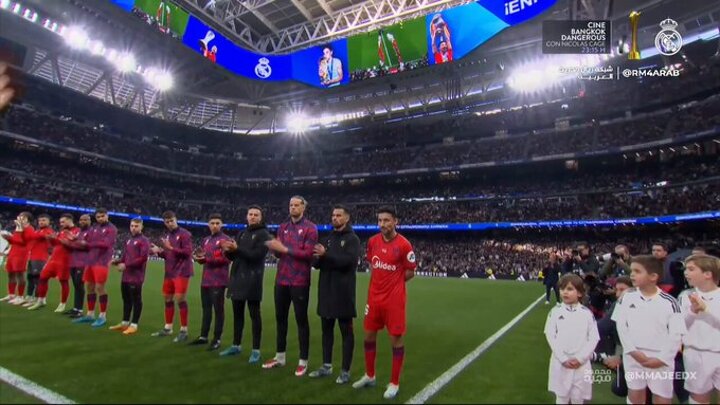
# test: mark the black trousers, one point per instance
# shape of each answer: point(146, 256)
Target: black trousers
point(239, 322)
point(76, 273)
point(213, 299)
point(132, 301)
point(33, 276)
point(348, 340)
point(299, 297)
point(547, 292)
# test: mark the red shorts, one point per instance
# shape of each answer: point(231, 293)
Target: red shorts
point(177, 285)
point(58, 270)
point(391, 315)
point(16, 265)
point(95, 274)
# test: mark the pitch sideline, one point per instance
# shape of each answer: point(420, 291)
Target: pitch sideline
point(32, 389)
point(436, 385)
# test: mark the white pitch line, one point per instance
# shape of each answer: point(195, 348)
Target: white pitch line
point(33, 389)
point(435, 386)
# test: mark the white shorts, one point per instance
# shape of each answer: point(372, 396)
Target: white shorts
point(566, 382)
point(659, 380)
point(703, 368)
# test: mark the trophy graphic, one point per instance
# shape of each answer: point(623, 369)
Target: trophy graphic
point(205, 41)
point(634, 51)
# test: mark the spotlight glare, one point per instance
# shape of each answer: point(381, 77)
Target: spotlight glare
point(125, 63)
point(97, 48)
point(76, 38)
point(297, 123)
point(4, 4)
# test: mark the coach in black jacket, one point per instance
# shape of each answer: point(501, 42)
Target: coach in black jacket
point(337, 260)
point(248, 253)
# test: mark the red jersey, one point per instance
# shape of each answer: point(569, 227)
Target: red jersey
point(38, 245)
point(19, 245)
point(388, 263)
point(61, 253)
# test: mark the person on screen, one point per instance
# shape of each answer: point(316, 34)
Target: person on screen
point(439, 34)
point(163, 17)
point(444, 54)
point(211, 54)
point(330, 69)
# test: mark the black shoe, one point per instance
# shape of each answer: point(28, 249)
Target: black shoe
point(76, 314)
point(214, 346)
point(199, 341)
point(69, 311)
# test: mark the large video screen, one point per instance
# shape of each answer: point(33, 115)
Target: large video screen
point(163, 14)
point(214, 47)
point(389, 50)
point(323, 66)
point(436, 38)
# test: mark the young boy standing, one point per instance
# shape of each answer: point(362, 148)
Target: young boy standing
point(572, 335)
point(700, 306)
point(650, 327)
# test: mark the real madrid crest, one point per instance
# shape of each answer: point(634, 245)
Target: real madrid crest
point(668, 41)
point(263, 69)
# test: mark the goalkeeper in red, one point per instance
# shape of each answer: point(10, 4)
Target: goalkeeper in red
point(392, 264)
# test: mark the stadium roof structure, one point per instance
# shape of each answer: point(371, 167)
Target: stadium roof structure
point(208, 96)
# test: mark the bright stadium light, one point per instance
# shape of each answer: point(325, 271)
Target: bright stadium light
point(4, 4)
point(528, 80)
point(97, 48)
point(159, 79)
point(125, 63)
point(17, 8)
point(76, 38)
point(297, 123)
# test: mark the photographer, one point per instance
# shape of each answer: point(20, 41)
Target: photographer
point(618, 264)
point(551, 276)
point(584, 261)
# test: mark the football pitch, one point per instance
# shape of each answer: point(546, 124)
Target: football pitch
point(447, 319)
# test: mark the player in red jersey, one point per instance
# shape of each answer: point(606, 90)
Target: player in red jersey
point(38, 251)
point(58, 265)
point(17, 260)
point(392, 264)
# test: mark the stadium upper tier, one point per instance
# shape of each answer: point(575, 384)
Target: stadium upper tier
point(680, 182)
point(666, 125)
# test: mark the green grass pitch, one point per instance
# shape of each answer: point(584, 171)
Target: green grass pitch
point(447, 318)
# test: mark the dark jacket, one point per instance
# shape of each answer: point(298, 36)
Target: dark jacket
point(551, 274)
point(248, 266)
point(336, 288)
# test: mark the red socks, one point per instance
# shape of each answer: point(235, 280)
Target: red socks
point(11, 288)
point(370, 351)
point(169, 312)
point(103, 303)
point(397, 363)
point(183, 314)
point(21, 290)
point(64, 290)
point(42, 288)
point(91, 298)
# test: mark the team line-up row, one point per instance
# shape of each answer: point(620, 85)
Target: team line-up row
point(232, 268)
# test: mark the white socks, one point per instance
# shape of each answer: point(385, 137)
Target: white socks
point(280, 357)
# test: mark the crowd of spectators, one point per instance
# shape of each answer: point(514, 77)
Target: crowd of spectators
point(381, 70)
point(685, 184)
point(584, 137)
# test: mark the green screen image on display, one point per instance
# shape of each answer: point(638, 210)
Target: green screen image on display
point(389, 47)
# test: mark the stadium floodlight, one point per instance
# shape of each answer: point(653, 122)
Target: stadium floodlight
point(159, 79)
point(30, 15)
point(528, 80)
point(297, 123)
point(97, 48)
point(17, 8)
point(4, 4)
point(76, 37)
point(125, 63)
